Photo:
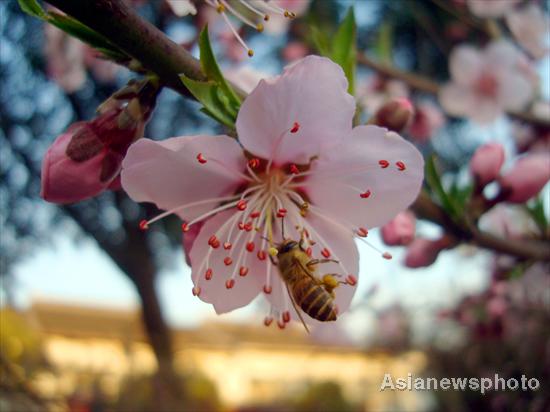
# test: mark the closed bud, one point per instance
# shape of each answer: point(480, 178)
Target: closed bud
point(400, 230)
point(526, 179)
point(394, 115)
point(486, 163)
point(423, 252)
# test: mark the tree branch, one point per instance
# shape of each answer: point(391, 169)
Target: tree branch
point(425, 208)
point(426, 85)
point(118, 22)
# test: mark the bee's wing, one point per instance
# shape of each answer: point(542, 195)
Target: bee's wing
point(296, 308)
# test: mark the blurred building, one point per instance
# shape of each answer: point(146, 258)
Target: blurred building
point(250, 365)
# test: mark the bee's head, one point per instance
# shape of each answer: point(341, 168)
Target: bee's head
point(286, 246)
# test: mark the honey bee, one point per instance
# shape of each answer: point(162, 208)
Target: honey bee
point(314, 295)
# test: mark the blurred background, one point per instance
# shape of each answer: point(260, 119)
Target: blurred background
point(97, 315)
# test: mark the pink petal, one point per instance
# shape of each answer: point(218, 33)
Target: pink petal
point(515, 91)
point(342, 247)
point(457, 100)
point(465, 64)
point(168, 173)
point(214, 290)
point(356, 163)
point(313, 93)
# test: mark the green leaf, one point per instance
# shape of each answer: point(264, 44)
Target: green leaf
point(32, 8)
point(434, 182)
point(212, 70)
point(384, 42)
point(536, 210)
point(80, 31)
point(208, 94)
point(321, 41)
point(344, 47)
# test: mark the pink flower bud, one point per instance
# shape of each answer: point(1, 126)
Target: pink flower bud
point(86, 160)
point(400, 230)
point(427, 119)
point(526, 178)
point(486, 163)
point(395, 114)
point(424, 252)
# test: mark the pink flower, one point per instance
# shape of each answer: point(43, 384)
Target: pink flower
point(297, 157)
point(526, 178)
point(531, 28)
point(400, 230)
point(427, 120)
point(486, 163)
point(245, 77)
point(294, 50)
point(395, 114)
point(491, 8)
point(423, 252)
point(182, 7)
point(485, 83)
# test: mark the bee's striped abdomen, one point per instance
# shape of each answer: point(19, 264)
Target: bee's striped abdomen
point(314, 300)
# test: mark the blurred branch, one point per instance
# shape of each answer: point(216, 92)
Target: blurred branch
point(426, 85)
point(118, 22)
point(426, 208)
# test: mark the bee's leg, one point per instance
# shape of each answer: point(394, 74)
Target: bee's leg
point(273, 260)
point(314, 262)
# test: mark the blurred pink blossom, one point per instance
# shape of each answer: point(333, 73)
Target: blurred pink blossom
point(486, 163)
point(278, 23)
point(297, 131)
point(485, 83)
point(245, 77)
point(531, 28)
point(394, 115)
point(377, 90)
point(427, 120)
point(294, 50)
point(423, 252)
point(526, 178)
point(491, 8)
point(182, 7)
point(400, 230)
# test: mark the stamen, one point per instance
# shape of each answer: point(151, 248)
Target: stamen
point(277, 145)
point(243, 271)
point(387, 255)
point(229, 283)
point(208, 274)
point(281, 323)
point(286, 316)
point(227, 261)
point(185, 227)
point(277, 9)
point(268, 320)
point(295, 127)
point(326, 253)
point(351, 280)
point(400, 165)
point(362, 232)
point(254, 163)
point(267, 289)
point(241, 205)
point(143, 225)
point(250, 246)
point(239, 39)
point(227, 245)
point(196, 291)
point(254, 10)
point(294, 169)
point(383, 163)
point(240, 16)
point(365, 195)
point(201, 158)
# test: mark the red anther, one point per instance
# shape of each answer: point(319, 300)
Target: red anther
point(227, 245)
point(250, 246)
point(201, 158)
point(243, 271)
point(229, 283)
point(215, 244)
point(325, 252)
point(254, 215)
point(261, 254)
point(365, 195)
point(196, 291)
point(281, 324)
point(309, 251)
point(241, 204)
point(281, 212)
point(387, 255)
point(185, 227)
point(208, 274)
point(248, 227)
point(286, 316)
point(212, 239)
point(383, 163)
point(362, 232)
point(241, 225)
point(294, 169)
point(351, 280)
point(268, 320)
point(143, 225)
point(254, 163)
point(400, 165)
point(267, 289)
point(227, 261)
point(295, 127)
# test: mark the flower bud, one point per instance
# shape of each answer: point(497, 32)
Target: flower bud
point(427, 119)
point(424, 252)
point(486, 163)
point(400, 230)
point(526, 179)
point(395, 114)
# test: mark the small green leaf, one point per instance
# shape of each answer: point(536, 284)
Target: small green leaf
point(321, 41)
point(344, 47)
point(212, 70)
point(536, 210)
point(32, 8)
point(434, 181)
point(208, 94)
point(384, 42)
